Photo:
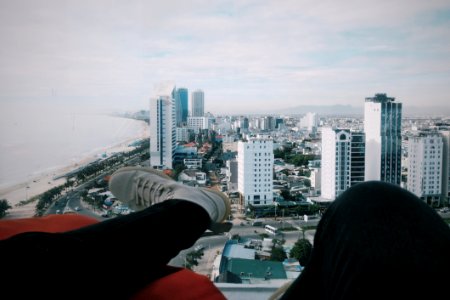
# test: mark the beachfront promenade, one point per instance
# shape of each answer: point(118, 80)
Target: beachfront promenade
point(25, 197)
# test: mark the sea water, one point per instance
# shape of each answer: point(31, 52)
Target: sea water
point(35, 141)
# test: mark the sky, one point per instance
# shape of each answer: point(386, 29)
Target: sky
point(247, 56)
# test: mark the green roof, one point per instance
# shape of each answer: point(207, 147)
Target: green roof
point(256, 268)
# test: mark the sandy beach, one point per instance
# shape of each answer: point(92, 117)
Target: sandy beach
point(45, 181)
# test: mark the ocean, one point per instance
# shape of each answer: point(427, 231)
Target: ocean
point(36, 141)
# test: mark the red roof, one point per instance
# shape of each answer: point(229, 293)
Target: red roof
point(191, 144)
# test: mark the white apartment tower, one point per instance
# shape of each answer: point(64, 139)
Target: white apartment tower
point(335, 162)
point(255, 170)
point(182, 134)
point(310, 122)
point(382, 127)
point(342, 163)
point(198, 103)
point(162, 126)
point(199, 123)
point(425, 166)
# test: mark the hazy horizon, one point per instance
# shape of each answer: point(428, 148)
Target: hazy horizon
point(247, 56)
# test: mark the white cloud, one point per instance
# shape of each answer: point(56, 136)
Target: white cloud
point(239, 52)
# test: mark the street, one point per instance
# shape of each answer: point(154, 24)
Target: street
point(213, 245)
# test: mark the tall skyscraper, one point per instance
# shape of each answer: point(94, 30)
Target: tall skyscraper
point(357, 159)
point(342, 161)
point(197, 103)
point(335, 162)
point(255, 168)
point(244, 124)
point(181, 106)
point(445, 166)
point(310, 122)
point(425, 166)
point(279, 122)
point(162, 126)
point(382, 126)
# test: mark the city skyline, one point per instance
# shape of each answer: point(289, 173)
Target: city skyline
point(252, 56)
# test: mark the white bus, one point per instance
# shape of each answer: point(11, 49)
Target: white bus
point(271, 229)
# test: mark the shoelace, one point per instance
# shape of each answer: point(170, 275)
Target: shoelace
point(150, 192)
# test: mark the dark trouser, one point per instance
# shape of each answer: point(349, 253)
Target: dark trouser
point(376, 241)
point(112, 259)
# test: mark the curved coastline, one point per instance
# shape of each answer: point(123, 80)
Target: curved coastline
point(47, 179)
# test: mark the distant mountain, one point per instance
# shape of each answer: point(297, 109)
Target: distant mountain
point(435, 111)
point(337, 109)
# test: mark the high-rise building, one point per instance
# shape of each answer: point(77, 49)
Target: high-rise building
point(199, 123)
point(336, 144)
point(162, 126)
point(255, 169)
point(309, 122)
point(382, 126)
point(445, 166)
point(279, 122)
point(198, 103)
point(181, 106)
point(315, 179)
point(244, 123)
point(183, 134)
point(241, 123)
point(357, 157)
point(342, 161)
point(425, 166)
point(232, 174)
point(269, 123)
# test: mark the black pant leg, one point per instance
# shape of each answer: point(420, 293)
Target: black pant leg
point(115, 258)
point(160, 231)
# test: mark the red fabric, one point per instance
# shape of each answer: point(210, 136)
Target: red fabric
point(181, 284)
point(50, 223)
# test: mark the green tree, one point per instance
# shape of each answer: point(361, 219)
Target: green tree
point(301, 159)
point(192, 259)
point(68, 183)
point(177, 171)
point(301, 251)
point(307, 183)
point(236, 237)
point(278, 242)
point(313, 209)
point(278, 254)
point(287, 195)
point(145, 156)
point(84, 194)
point(263, 235)
point(279, 153)
point(4, 206)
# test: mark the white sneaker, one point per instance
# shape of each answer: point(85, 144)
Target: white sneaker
point(141, 187)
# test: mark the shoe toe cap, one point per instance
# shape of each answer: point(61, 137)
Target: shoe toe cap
point(120, 186)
